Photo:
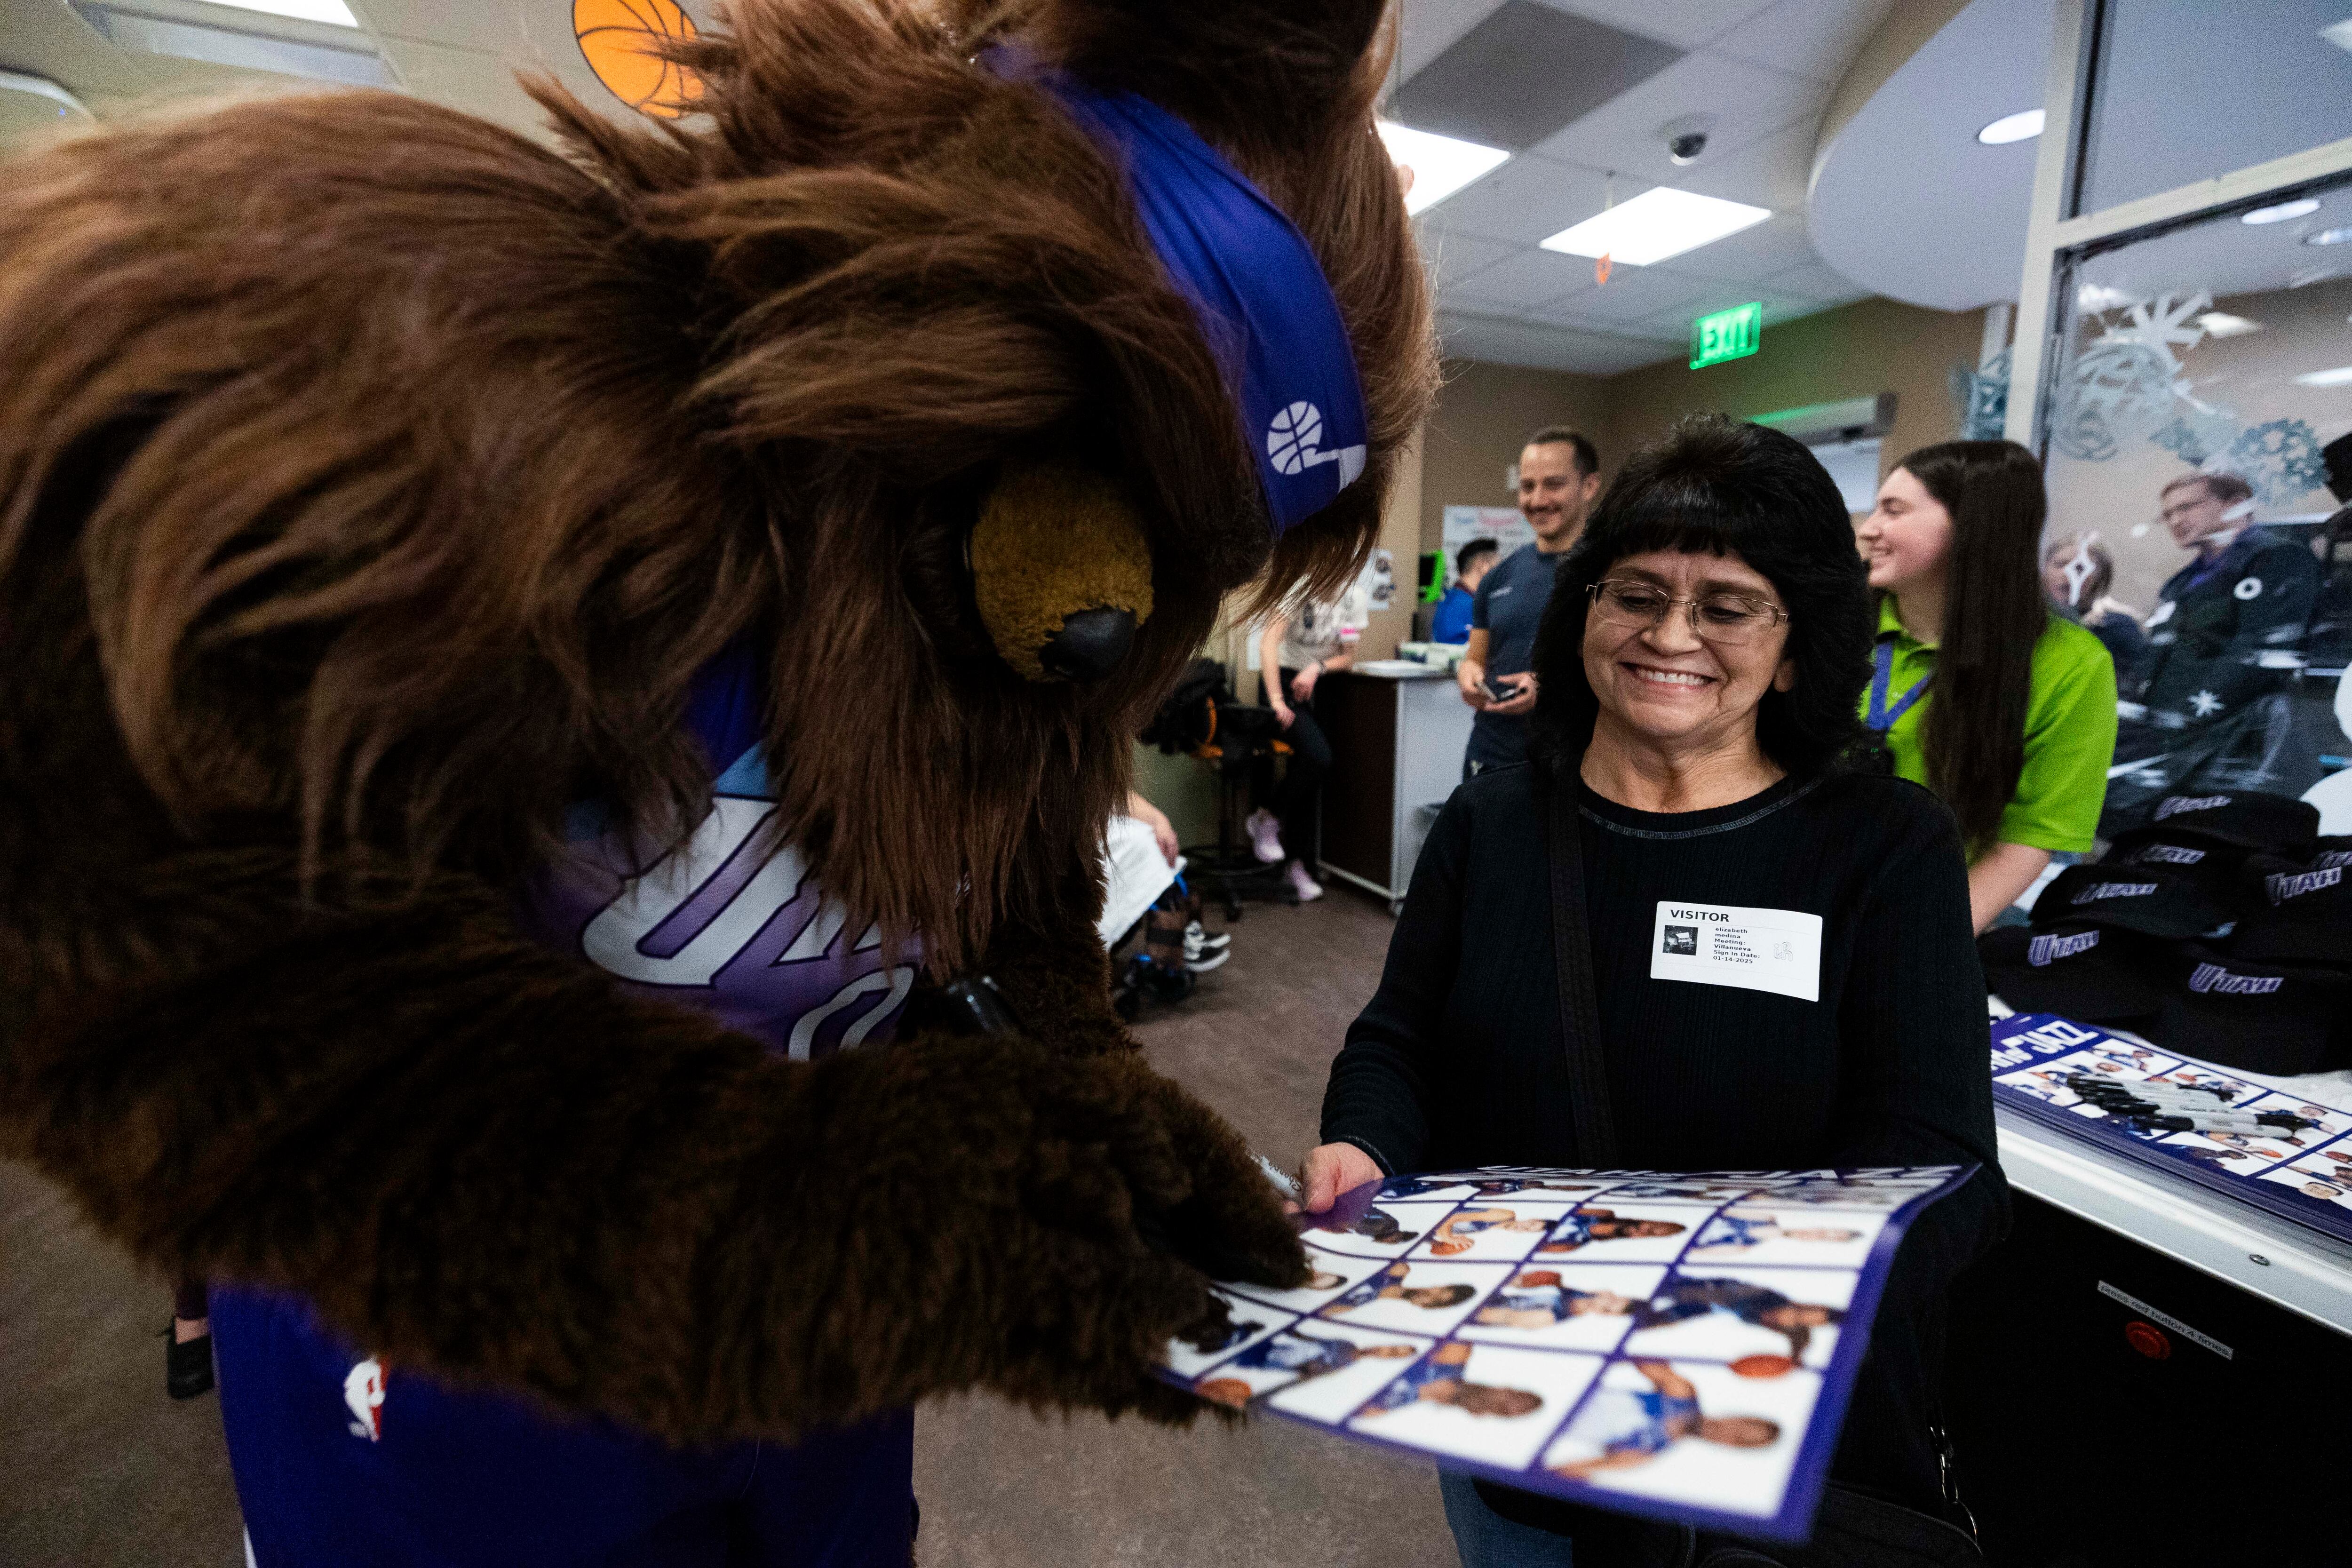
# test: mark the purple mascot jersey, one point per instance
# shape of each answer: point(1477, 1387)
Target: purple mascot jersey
point(339, 1462)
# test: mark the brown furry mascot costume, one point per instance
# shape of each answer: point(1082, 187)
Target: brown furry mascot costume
point(516, 663)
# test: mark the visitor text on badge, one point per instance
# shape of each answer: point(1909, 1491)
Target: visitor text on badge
point(1722, 944)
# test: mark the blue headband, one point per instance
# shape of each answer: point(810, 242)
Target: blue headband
point(1263, 301)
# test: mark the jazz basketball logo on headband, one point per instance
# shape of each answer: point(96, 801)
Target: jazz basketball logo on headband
point(1294, 440)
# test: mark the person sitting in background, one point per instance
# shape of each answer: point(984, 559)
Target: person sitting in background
point(1700, 663)
point(1295, 652)
point(2078, 572)
point(1452, 621)
point(2247, 592)
point(2004, 709)
point(1559, 474)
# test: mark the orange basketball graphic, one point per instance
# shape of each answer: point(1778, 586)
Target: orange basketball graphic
point(616, 39)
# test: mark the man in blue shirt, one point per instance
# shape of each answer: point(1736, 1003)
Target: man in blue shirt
point(1560, 479)
point(1451, 623)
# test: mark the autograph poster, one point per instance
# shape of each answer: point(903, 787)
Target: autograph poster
point(2278, 1150)
point(1679, 1345)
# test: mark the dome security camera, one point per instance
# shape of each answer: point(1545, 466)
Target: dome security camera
point(1685, 138)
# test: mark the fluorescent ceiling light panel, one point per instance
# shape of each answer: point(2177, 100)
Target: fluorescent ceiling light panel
point(2304, 208)
point(2340, 376)
point(1658, 224)
point(1441, 166)
point(2221, 324)
point(2022, 126)
point(2338, 33)
point(356, 66)
point(334, 12)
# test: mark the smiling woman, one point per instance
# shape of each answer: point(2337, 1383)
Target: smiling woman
point(1781, 967)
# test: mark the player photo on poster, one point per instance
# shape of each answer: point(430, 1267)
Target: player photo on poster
point(2288, 1154)
point(1675, 1345)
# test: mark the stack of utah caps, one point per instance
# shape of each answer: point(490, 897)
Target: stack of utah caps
point(2222, 930)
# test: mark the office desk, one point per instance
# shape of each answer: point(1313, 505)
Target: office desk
point(1398, 731)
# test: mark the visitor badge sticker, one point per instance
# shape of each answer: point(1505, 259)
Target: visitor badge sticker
point(1724, 944)
point(1675, 1344)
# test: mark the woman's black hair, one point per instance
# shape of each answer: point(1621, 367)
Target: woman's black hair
point(1995, 609)
point(1718, 487)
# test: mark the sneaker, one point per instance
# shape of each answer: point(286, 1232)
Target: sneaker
point(1307, 889)
point(1198, 940)
point(1202, 952)
point(1265, 835)
point(187, 1366)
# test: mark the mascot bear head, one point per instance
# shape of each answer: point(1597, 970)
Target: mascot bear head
point(959, 358)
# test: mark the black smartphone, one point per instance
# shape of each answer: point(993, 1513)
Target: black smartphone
point(1498, 693)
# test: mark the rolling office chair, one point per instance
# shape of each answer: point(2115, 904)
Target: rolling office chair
point(1202, 719)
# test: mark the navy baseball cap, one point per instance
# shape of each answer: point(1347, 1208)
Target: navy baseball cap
point(2247, 818)
point(2298, 913)
point(2095, 975)
point(2153, 899)
point(2263, 1017)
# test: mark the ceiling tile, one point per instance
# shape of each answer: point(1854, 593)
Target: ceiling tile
point(1749, 102)
point(1631, 294)
point(1815, 281)
point(1689, 23)
point(1812, 38)
point(475, 82)
point(1772, 173)
point(1528, 278)
point(1496, 342)
point(1431, 26)
point(490, 26)
point(1452, 258)
point(1524, 72)
point(1752, 255)
point(1528, 199)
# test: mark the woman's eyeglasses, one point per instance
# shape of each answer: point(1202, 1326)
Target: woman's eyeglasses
point(1728, 619)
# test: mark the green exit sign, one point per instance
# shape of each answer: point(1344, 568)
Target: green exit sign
point(1727, 335)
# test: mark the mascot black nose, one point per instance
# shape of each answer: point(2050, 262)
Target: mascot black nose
point(1089, 645)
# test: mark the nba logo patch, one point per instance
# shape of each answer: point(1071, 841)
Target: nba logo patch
point(363, 1393)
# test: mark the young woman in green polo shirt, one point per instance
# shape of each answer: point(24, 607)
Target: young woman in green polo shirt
point(2001, 708)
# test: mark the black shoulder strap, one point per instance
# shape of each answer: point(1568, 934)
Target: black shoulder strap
point(1580, 1015)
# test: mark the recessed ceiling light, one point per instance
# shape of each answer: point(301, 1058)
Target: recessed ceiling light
point(2101, 297)
point(2338, 33)
point(2022, 126)
point(2221, 324)
point(2340, 376)
point(2301, 207)
point(333, 11)
point(2328, 236)
point(1658, 224)
point(1441, 166)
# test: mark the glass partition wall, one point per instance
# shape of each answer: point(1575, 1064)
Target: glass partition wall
point(2184, 368)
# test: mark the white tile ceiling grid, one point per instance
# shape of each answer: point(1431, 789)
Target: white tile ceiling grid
point(1763, 70)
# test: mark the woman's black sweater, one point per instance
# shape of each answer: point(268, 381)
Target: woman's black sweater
point(1458, 1060)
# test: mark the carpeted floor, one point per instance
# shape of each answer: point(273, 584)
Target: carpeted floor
point(99, 1469)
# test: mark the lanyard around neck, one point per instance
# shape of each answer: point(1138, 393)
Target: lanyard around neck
point(1882, 718)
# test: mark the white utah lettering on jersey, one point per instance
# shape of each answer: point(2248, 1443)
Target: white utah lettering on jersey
point(612, 939)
